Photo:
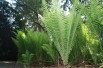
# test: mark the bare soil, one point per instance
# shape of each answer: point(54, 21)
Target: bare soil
point(6, 64)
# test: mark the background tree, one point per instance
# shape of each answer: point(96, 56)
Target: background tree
point(8, 50)
point(29, 14)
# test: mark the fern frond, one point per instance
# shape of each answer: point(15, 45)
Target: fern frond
point(62, 29)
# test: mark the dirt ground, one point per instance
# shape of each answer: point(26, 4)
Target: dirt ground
point(9, 64)
point(12, 64)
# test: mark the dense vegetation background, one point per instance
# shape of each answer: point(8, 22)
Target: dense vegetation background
point(46, 33)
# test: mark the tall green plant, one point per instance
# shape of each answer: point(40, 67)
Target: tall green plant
point(91, 29)
point(62, 28)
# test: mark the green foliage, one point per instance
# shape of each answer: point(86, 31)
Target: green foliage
point(92, 29)
point(62, 29)
point(19, 41)
point(88, 40)
point(74, 40)
point(26, 59)
point(31, 41)
point(50, 51)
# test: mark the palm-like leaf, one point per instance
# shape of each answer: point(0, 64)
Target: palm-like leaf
point(62, 29)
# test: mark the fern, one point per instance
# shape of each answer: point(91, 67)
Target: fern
point(31, 41)
point(50, 51)
point(62, 29)
point(26, 59)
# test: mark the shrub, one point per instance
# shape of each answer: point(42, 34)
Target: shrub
point(31, 41)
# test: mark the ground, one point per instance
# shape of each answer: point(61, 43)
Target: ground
point(12, 64)
point(9, 64)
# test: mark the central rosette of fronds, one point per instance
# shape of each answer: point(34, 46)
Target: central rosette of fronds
point(61, 28)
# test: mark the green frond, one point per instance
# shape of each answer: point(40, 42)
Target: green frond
point(62, 29)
